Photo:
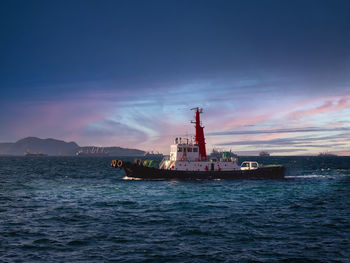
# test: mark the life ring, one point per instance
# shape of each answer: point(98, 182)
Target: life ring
point(113, 163)
point(120, 163)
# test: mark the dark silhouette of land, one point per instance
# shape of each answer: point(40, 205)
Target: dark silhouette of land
point(55, 147)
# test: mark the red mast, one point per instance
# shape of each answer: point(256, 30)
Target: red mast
point(199, 136)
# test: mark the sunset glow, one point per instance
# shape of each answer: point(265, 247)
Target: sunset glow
point(131, 81)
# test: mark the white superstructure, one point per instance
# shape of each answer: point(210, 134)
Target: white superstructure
point(184, 156)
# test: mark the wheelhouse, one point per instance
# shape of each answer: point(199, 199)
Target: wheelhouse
point(184, 151)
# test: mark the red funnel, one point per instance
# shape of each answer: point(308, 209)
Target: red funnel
point(199, 135)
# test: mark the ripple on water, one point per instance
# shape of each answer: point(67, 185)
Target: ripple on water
point(72, 209)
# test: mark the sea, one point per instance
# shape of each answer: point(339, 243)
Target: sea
point(79, 209)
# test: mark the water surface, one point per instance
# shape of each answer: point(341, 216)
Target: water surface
point(71, 209)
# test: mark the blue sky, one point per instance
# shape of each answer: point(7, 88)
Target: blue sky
point(270, 75)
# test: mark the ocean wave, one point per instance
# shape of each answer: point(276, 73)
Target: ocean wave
point(47, 217)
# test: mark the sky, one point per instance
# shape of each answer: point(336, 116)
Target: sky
point(269, 75)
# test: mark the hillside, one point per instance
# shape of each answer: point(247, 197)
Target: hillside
point(33, 144)
point(55, 147)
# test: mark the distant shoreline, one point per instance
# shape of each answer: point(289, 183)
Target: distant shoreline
point(54, 147)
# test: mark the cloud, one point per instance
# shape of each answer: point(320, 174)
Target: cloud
point(325, 141)
point(326, 107)
point(108, 132)
point(111, 128)
point(279, 131)
point(59, 119)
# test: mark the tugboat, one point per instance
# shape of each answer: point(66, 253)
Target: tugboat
point(188, 161)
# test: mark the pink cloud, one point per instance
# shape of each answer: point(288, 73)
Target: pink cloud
point(55, 119)
point(273, 136)
point(328, 106)
point(338, 124)
point(68, 120)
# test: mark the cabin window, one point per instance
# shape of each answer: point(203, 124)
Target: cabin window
point(245, 164)
point(189, 149)
point(195, 150)
point(255, 165)
point(179, 149)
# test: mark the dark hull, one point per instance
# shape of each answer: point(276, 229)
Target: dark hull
point(147, 173)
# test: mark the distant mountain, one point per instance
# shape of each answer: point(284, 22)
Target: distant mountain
point(118, 151)
point(57, 147)
point(36, 145)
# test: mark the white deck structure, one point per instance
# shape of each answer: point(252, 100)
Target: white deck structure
point(185, 157)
